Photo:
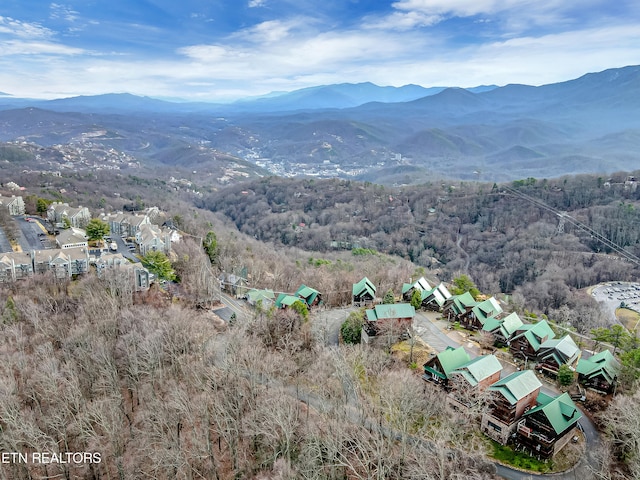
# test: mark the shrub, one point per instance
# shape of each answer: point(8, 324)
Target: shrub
point(351, 328)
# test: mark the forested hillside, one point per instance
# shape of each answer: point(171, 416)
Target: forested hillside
point(504, 242)
point(159, 391)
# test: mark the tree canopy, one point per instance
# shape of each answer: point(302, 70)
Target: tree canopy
point(462, 284)
point(96, 229)
point(158, 264)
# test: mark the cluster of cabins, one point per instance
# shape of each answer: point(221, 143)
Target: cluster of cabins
point(533, 343)
point(267, 298)
point(514, 409)
point(395, 318)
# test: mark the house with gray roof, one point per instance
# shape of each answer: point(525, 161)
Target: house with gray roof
point(58, 213)
point(61, 263)
point(14, 204)
point(549, 426)
point(15, 266)
point(126, 224)
point(151, 238)
point(511, 397)
point(114, 266)
point(72, 238)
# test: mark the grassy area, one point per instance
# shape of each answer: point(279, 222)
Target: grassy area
point(421, 352)
point(521, 460)
point(628, 318)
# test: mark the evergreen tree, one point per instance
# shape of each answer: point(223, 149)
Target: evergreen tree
point(96, 229)
point(389, 297)
point(351, 329)
point(565, 375)
point(416, 299)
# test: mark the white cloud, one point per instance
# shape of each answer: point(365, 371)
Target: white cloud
point(257, 3)
point(270, 31)
point(64, 12)
point(403, 21)
point(13, 47)
point(16, 28)
point(208, 53)
point(289, 53)
point(461, 8)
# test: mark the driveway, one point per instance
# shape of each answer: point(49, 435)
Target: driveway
point(124, 249)
point(326, 324)
point(231, 306)
point(427, 326)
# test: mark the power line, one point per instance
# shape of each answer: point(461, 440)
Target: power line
point(565, 217)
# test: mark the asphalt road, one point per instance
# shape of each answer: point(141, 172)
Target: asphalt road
point(430, 333)
point(231, 306)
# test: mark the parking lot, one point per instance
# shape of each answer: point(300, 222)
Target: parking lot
point(33, 235)
point(612, 294)
point(127, 249)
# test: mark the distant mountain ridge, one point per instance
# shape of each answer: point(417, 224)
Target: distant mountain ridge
point(586, 125)
point(344, 95)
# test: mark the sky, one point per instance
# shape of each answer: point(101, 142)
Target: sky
point(220, 50)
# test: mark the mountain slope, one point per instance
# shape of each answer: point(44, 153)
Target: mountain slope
point(584, 125)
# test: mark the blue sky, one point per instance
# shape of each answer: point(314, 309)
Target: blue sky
point(215, 50)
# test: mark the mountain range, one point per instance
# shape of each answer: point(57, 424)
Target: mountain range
point(382, 134)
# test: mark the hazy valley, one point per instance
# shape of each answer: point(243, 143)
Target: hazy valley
point(531, 194)
point(587, 125)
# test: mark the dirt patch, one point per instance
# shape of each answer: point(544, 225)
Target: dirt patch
point(571, 454)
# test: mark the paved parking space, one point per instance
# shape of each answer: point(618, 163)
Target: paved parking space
point(5, 246)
